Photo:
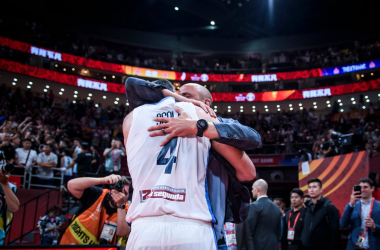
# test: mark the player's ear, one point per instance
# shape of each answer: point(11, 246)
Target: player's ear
point(207, 102)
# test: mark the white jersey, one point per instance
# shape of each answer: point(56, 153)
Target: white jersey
point(169, 180)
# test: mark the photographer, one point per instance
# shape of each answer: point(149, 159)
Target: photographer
point(50, 225)
point(9, 204)
point(101, 219)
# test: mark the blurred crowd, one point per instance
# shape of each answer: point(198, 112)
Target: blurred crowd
point(94, 48)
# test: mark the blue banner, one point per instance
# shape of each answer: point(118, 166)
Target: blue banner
point(350, 68)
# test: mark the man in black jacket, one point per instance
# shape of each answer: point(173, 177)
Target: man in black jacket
point(293, 222)
point(321, 223)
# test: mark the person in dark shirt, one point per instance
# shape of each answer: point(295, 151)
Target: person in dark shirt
point(8, 149)
point(84, 160)
point(96, 158)
point(293, 222)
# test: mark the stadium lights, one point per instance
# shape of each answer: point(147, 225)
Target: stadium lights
point(96, 105)
point(47, 86)
point(113, 77)
point(28, 86)
point(354, 102)
point(362, 75)
point(45, 90)
point(314, 103)
point(75, 92)
point(366, 97)
point(56, 65)
point(255, 106)
point(265, 106)
point(363, 107)
point(64, 69)
point(13, 83)
point(291, 108)
point(278, 106)
point(367, 100)
point(329, 105)
point(352, 99)
point(117, 99)
point(300, 104)
point(60, 93)
point(176, 8)
point(342, 110)
point(290, 105)
point(215, 107)
point(88, 98)
point(104, 97)
point(30, 83)
point(89, 94)
point(315, 107)
point(116, 102)
point(73, 69)
point(62, 89)
point(254, 110)
point(127, 104)
point(339, 100)
point(212, 23)
point(266, 110)
point(75, 96)
point(279, 110)
point(15, 79)
point(371, 74)
point(74, 101)
point(341, 104)
point(301, 108)
point(328, 102)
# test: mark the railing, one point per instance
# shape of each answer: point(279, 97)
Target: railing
point(28, 174)
point(24, 206)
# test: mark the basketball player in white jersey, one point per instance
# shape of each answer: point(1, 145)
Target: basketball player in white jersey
point(170, 207)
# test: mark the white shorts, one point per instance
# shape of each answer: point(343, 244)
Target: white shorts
point(168, 232)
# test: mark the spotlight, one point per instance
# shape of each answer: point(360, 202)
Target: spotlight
point(88, 98)
point(30, 83)
point(176, 8)
point(60, 93)
point(212, 23)
point(104, 97)
point(89, 94)
point(28, 86)
point(62, 89)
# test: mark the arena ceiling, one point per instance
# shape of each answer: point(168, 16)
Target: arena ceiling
point(246, 19)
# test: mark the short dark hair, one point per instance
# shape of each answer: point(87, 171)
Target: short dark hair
point(116, 139)
point(85, 145)
point(279, 199)
point(366, 180)
point(306, 196)
point(315, 180)
point(50, 145)
point(27, 139)
point(297, 191)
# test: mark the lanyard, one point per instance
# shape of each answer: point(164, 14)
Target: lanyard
point(295, 221)
point(370, 211)
point(115, 159)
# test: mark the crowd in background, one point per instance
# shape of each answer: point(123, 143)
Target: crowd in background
point(94, 48)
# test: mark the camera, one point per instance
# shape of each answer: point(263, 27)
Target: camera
point(347, 143)
point(5, 167)
point(118, 186)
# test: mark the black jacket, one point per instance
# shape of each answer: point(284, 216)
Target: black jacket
point(298, 229)
point(321, 226)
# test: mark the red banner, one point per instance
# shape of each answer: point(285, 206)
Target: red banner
point(269, 96)
point(154, 73)
point(265, 160)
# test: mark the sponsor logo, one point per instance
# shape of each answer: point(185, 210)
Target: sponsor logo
point(45, 53)
point(183, 76)
point(91, 84)
point(204, 77)
point(316, 93)
point(356, 67)
point(336, 71)
point(263, 160)
point(250, 97)
point(151, 73)
point(372, 65)
point(163, 192)
point(264, 78)
point(195, 77)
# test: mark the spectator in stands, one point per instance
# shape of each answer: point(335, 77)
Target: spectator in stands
point(46, 160)
point(84, 161)
point(362, 216)
point(15, 141)
point(65, 162)
point(103, 206)
point(50, 225)
point(77, 151)
point(113, 156)
point(374, 176)
point(264, 218)
point(25, 156)
point(96, 158)
point(9, 204)
point(322, 219)
point(7, 147)
point(329, 148)
point(293, 222)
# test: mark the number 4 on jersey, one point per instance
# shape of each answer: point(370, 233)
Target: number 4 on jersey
point(166, 155)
